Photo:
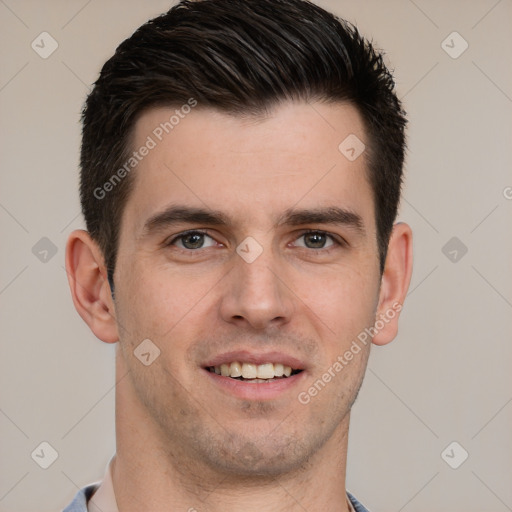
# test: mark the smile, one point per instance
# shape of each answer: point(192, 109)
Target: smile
point(254, 373)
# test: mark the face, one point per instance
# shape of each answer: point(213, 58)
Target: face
point(247, 246)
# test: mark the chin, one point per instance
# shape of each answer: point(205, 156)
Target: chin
point(259, 459)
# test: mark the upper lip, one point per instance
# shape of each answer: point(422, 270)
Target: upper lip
point(246, 356)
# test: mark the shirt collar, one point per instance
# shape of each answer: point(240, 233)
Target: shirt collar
point(104, 499)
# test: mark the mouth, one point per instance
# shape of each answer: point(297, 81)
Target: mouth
point(256, 376)
point(254, 373)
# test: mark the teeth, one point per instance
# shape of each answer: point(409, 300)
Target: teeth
point(235, 370)
point(249, 371)
point(266, 371)
point(252, 372)
point(278, 370)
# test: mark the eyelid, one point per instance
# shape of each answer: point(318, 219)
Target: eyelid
point(174, 238)
point(335, 238)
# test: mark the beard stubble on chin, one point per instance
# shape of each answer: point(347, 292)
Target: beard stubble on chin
point(196, 437)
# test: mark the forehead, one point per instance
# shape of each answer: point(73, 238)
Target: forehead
point(250, 167)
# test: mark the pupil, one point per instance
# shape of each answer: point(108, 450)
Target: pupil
point(193, 241)
point(316, 239)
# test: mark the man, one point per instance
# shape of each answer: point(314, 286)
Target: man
point(241, 169)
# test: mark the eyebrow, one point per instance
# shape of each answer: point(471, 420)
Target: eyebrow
point(330, 215)
point(183, 214)
point(176, 214)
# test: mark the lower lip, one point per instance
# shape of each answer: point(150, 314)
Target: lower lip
point(256, 390)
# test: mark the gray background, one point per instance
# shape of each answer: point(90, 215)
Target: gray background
point(447, 375)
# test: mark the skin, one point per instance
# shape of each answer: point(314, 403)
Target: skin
point(182, 441)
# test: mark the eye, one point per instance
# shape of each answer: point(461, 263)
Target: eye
point(317, 240)
point(192, 240)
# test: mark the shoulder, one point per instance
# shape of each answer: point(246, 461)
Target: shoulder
point(358, 507)
point(82, 497)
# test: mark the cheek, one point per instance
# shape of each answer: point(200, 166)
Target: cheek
point(344, 301)
point(161, 304)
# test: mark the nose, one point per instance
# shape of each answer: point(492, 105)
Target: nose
point(256, 294)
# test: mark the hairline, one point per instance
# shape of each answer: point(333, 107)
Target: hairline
point(264, 112)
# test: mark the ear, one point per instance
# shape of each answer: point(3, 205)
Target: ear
point(87, 277)
point(394, 284)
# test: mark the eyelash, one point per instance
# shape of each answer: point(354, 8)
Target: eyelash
point(336, 240)
point(184, 234)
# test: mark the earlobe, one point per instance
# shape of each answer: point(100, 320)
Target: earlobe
point(89, 285)
point(394, 284)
